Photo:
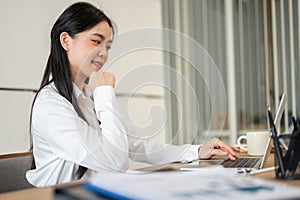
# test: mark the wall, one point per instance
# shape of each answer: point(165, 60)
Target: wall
point(25, 30)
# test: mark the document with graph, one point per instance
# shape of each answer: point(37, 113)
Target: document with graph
point(214, 183)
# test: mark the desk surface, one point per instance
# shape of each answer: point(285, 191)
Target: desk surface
point(48, 192)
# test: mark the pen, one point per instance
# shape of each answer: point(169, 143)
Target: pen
point(262, 170)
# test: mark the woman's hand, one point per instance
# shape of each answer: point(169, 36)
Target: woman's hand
point(101, 78)
point(217, 147)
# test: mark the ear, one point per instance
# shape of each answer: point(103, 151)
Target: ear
point(65, 40)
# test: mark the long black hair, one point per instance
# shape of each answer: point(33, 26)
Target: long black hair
point(77, 18)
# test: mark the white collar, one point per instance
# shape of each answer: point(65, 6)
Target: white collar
point(77, 92)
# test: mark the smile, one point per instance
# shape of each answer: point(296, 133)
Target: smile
point(97, 64)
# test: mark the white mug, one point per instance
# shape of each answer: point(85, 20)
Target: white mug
point(256, 142)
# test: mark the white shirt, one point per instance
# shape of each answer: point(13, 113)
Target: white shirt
point(62, 141)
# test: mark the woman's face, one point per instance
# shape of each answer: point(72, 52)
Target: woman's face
point(88, 50)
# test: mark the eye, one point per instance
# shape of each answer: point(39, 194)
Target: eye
point(108, 47)
point(97, 42)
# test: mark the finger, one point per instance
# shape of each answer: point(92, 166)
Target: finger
point(218, 152)
point(96, 74)
point(94, 79)
point(99, 73)
point(227, 148)
point(235, 149)
point(232, 157)
point(107, 79)
point(223, 153)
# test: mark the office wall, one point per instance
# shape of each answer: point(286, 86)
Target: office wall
point(25, 29)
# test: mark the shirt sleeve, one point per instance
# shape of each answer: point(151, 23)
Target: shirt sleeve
point(72, 139)
point(145, 150)
point(142, 149)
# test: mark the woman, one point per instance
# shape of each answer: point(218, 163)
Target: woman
point(76, 126)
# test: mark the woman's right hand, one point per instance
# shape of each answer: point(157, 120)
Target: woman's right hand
point(101, 78)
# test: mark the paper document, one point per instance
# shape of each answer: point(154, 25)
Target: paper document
point(215, 183)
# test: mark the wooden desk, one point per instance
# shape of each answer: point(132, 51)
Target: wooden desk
point(47, 193)
point(271, 174)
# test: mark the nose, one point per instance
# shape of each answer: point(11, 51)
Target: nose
point(102, 51)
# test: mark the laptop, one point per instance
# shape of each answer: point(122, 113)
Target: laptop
point(248, 163)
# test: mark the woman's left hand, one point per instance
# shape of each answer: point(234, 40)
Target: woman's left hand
point(217, 147)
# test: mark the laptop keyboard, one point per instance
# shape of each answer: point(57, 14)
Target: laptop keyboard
point(240, 162)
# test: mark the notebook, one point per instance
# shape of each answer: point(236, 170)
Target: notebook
point(248, 163)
